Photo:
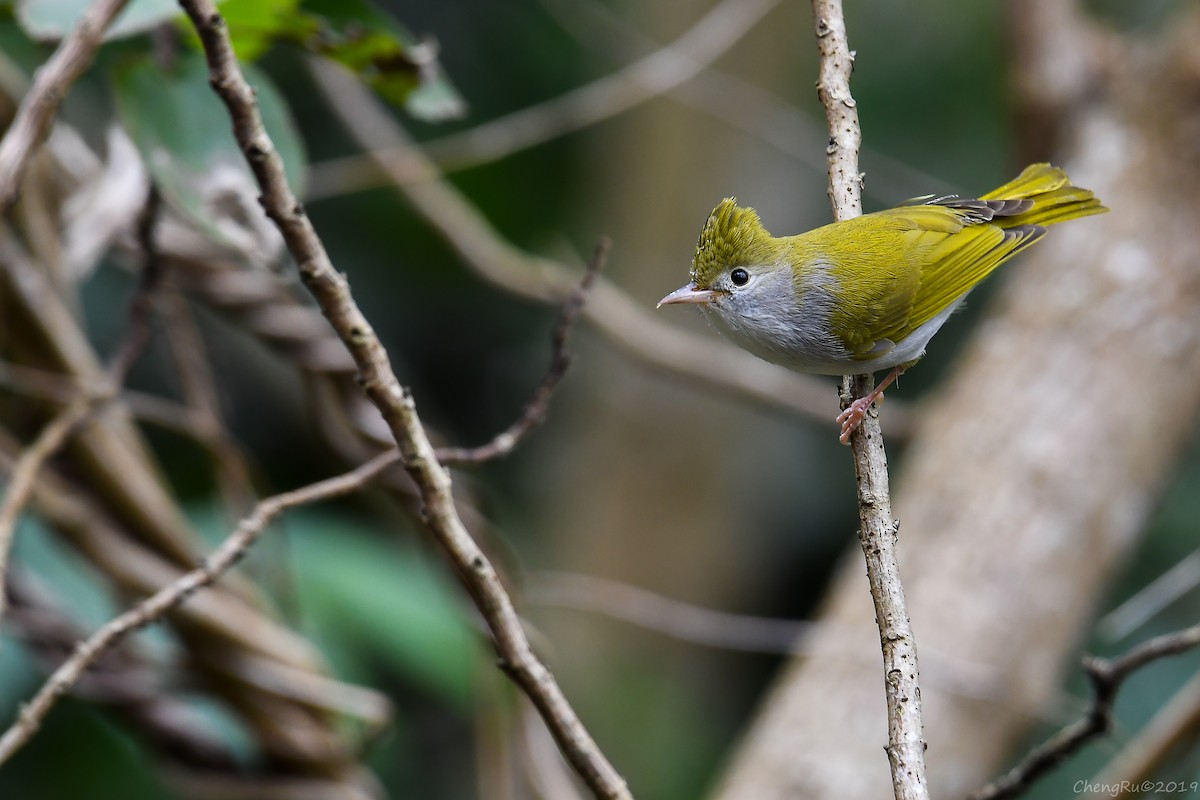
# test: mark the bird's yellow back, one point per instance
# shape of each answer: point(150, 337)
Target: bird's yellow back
point(901, 268)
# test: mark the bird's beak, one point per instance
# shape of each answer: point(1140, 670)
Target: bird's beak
point(688, 294)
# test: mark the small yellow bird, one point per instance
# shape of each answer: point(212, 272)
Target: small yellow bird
point(867, 293)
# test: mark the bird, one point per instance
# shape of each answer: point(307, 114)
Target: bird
point(868, 293)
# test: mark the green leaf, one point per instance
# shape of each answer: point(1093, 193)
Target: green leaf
point(184, 133)
point(48, 20)
point(370, 599)
point(376, 597)
point(78, 588)
point(382, 53)
point(254, 25)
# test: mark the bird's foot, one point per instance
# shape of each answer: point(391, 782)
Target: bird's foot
point(853, 416)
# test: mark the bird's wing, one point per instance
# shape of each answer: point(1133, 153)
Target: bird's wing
point(953, 266)
point(933, 253)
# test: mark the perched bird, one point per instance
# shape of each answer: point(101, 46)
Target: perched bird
point(868, 293)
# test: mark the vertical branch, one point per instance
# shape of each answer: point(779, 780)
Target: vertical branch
point(877, 530)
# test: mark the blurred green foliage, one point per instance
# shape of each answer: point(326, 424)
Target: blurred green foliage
point(179, 126)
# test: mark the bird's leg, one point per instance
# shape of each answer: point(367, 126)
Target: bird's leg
point(854, 414)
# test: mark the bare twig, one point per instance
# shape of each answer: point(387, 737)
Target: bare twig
point(742, 104)
point(126, 680)
point(141, 305)
point(718, 30)
point(665, 615)
point(710, 627)
point(137, 569)
point(1151, 599)
point(66, 422)
point(50, 84)
point(626, 322)
point(199, 390)
point(1106, 676)
point(25, 472)
point(64, 390)
point(152, 608)
point(877, 530)
point(331, 290)
point(549, 779)
point(535, 411)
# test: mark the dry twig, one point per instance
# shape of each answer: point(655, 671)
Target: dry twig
point(233, 474)
point(535, 411)
point(154, 607)
point(332, 292)
point(67, 421)
point(125, 680)
point(1106, 676)
point(679, 620)
point(25, 472)
point(711, 627)
point(741, 104)
point(50, 84)
point(26, 133)
point(64, 390)
point(877, 531)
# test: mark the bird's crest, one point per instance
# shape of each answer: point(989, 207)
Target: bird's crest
point(732, 236)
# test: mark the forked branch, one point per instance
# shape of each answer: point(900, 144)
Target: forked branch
point(1106, 677)
point(332, 293)
point(229, 552)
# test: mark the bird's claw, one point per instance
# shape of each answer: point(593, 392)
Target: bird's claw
point(852, 417)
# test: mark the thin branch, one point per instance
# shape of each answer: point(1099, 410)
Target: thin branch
point(1151, 599)
point(1106, 676)
point(228, 553)
point(192, 367)
point(141, 305)
point(877, 531)
point(136, 568)
point(626, 322)
point(742, 104)
point(535, 411)
point(667, 616)
point(55, 435)
point(710, 627)
point(50, 84)
point(712, 35)
point(332, 293)
point(64, 390)
point(25, 472)
point(548, 778)
point(126, 680)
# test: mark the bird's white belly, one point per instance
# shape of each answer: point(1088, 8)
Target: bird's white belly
point(802, 340)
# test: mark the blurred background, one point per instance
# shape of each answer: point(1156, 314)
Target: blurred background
point(653, 503)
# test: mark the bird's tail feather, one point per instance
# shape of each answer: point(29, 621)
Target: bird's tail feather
point(1054, 198)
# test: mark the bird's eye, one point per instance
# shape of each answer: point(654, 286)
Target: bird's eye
point(739, 277)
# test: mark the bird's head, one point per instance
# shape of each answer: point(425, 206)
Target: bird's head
point(733, 252)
